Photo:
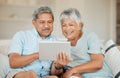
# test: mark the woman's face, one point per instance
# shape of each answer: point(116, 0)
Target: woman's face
point(70, 28)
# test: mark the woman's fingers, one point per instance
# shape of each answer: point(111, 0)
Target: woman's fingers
point(62, 59)
point(62, 56)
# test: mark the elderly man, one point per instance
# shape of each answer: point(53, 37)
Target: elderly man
point(23, 54)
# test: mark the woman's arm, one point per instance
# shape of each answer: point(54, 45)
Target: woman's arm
point(95, 64)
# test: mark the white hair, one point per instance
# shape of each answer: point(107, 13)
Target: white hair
point(44, 9)
point(71, 13)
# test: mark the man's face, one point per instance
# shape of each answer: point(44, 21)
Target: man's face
point(44, 24)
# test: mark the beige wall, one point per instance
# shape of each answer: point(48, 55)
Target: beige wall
point(97, 15)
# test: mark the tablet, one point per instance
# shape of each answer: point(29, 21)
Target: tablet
point(49, 50)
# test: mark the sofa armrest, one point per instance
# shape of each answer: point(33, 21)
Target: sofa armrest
point(4, 46)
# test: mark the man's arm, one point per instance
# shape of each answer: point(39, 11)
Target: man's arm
point(17, 60)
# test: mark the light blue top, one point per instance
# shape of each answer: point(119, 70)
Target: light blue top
point(27, 42)
point(88, 44)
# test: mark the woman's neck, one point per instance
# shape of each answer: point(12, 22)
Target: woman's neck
point(74, 41)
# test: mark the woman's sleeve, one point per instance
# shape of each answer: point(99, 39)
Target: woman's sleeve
point(94, 44)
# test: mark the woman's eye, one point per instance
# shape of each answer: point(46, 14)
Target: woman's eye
point(71, 25)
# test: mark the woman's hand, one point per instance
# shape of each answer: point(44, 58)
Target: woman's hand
point(62, 60)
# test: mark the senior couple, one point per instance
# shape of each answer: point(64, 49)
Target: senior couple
point(87, 56)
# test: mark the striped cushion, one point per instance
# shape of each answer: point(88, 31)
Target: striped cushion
point(112, 57)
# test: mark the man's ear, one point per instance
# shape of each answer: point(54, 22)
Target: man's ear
point(33, 22)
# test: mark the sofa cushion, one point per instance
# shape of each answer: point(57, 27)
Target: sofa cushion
point(4, 65)
point(112, 57)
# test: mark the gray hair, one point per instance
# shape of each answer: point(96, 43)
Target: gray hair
point(71, 13)
point(42, 10)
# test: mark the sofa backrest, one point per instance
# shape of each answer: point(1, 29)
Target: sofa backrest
point(5, 45)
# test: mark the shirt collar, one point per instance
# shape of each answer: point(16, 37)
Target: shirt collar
point(39, 37)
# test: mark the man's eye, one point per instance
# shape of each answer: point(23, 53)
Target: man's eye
point(41, 22)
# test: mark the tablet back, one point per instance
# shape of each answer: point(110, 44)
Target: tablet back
point(49, 50)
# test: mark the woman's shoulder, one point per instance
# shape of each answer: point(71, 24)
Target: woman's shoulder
point(89, 34)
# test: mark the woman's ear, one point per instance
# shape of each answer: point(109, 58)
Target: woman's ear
point(81, 25)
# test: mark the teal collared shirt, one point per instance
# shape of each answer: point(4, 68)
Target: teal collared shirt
point(27, 42)
point(89, 44)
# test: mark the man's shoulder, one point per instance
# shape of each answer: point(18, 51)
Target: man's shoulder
point(23, 32)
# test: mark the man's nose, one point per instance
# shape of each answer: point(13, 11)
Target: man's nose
point(46, 24)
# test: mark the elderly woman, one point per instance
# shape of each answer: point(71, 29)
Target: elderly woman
point(88, 58)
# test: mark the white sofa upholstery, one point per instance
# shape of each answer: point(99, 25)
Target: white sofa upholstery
point(4, 63)
point(112, 55)
point(4, 48)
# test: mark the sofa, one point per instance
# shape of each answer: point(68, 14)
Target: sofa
point(4, 63)
point(112, 53)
